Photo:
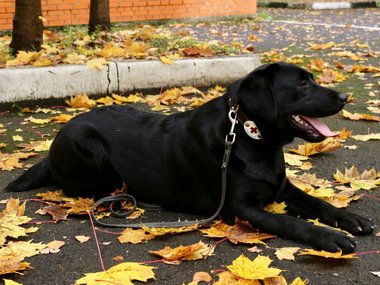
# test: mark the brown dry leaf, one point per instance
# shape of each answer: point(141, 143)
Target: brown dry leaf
point(344, 134)
point(357, 116)
point(57, 212)
point(309, 149)
point(229, 278)
point(240, 232)
point(118, 258)
point(175, 255)
point(317, 64)
point(122, 273)
point(80, 101)
point(196, 51)
point(10, 161)
point(135, 236)
point(326, 254)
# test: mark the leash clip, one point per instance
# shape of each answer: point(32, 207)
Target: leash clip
point(232, 115)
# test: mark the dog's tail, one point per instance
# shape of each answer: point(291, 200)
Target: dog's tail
point(37, 176)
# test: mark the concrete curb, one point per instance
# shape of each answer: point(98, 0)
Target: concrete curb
point(30, 83)
point(320, 5)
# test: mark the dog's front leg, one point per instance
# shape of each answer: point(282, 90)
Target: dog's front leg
point(299, 230)
point(301, 204)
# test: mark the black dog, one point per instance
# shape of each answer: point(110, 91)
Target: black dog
point(175, 161)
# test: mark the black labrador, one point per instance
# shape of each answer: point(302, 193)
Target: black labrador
point(175, 161)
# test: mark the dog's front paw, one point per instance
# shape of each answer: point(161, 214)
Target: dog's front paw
point(333, 241)
point(354, 224)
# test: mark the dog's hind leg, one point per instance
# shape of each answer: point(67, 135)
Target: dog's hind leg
point(37, 176)
point(80, 163)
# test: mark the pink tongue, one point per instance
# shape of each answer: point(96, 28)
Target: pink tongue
point(320, 126)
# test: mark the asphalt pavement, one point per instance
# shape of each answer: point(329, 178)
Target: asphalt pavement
point(279, 32)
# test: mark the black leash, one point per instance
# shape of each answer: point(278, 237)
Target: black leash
point(229, 141)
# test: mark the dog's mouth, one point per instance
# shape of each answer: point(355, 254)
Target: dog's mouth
point(311, 129)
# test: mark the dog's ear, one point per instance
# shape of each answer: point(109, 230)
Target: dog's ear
point(254, 92)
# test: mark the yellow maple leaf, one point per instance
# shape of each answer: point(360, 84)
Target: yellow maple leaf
point(309, 149)
point(319, 224)
point(286, 253)
point(38, 121)
point(258, 269)
point(175, 255)
point(80, 101)
point(110, 50)
point(166, 60)
point(107, 101)
point(276, 208)
point(74, 58)
point(314, 46)
point(62, 119)
point(24, 58)
point(135, 236)
point(9, 161)
point(238, 233)
point(330, 76)
point(13, 207)
point(43, 61)
point(295, 159)
point(37, 145)
point(97, 63)
point(299, 281)
point(367, 180)
point(80, 206)
point(122, 273)
point(133, 98)
point(10, 282)
point(368, 137)
point(17, 138)
point(326, 254)
point(22, 249)
point(55, 196)
point(165, 231)
point(12, 264)
point(10, 226)
point(357, 116)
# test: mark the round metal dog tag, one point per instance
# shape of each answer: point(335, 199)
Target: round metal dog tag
point(252, 130)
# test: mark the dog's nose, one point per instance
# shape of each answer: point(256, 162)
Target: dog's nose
point(343, 97)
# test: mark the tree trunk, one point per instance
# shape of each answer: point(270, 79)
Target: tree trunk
point(27, 26)
point(99, 16)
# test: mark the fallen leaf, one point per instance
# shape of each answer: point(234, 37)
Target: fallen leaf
point(295, 159)
point(10, 282)
point(62, 119)
point(258, 269)
point(135, 236)
point(286, 253)
point(13, 206)
point(10, 161)
point(17, 138)
point(376, 273)
point(122, 273)
point(175, 255)
point(276, 208)
point(254, 249)
point(357, 116)
point(10, 226)
point(38, 146)
point(365, 138)
point(57, 212)
point(97, 63)
point(21, 249)
point(53, 247)
point(165, 231)
point(166, 60)
point(367, 180)
point(82, 239)
point(326, 254)
point(200, 277)
point(309, 149)
point(118, 258)
point(80, 101)
point(238, 233)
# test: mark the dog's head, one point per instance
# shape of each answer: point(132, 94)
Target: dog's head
point(286, 98)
